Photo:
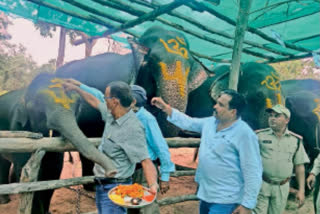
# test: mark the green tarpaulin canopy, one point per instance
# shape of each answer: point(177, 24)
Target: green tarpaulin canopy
point(278, 30)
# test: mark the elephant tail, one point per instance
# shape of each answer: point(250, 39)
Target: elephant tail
point(70, 158)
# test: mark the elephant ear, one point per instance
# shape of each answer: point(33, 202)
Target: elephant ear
point(198, 74)
point(19, 117)
point(139, 52)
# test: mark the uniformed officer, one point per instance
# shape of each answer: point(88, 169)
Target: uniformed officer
point(311, 181)
point(281, 150)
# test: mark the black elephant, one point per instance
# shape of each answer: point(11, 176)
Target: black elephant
point(168, 71)
point(259, 83)
point(303, 100)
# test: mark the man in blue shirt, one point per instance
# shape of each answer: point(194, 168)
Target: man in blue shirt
point(157, 147)
point(229, 172)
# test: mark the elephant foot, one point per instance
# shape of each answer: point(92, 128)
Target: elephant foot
point(4, 199)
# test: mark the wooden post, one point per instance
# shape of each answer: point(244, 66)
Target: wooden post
point(242, 22)
point(29, 174)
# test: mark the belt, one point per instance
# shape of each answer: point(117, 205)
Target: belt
point(268, 180)
point(101, 181)
point(155, 162)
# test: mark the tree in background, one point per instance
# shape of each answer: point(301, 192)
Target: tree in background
point(297, 69)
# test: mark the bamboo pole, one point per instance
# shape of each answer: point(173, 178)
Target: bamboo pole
point(58, 144)
point(242, 22)
point(16, 188)
point(20, 134)
point(30, 173)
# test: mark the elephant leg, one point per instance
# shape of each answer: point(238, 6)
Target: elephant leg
point(87, 167)
point(50, 169)
point(4, 172)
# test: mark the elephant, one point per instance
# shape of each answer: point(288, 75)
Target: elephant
point(259, 83)
point(167, 70)
point(303, 100)
point(163, 63)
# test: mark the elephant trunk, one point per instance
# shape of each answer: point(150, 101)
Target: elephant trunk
point(177, 96)
point(66, 124)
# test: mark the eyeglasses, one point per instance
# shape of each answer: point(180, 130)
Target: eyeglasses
point(107, 98)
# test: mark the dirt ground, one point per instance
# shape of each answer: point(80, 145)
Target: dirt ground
point(64, 200)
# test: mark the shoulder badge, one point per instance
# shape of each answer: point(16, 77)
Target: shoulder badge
point(261, 130)
point(295, 135)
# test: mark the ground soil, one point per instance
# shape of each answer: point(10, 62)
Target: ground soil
point(64, 200)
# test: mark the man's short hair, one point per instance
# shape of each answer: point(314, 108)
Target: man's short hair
point(121, 91)
point(237, 101)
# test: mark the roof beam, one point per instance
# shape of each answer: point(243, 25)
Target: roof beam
point(149, 16)
point(212, 30)
point(202, 7)
point(134, 11)
point(96, 20)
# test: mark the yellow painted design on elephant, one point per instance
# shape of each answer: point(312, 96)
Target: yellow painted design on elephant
point(178, 75)
point(272, 82)
point(3, 92)
point(59, 95)
point(316, 111)
point(181, 40)
point(176, 49)
point(268, 103)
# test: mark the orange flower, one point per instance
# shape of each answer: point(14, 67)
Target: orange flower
point(133, 191)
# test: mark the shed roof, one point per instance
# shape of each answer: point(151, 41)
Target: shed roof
point(278, 30)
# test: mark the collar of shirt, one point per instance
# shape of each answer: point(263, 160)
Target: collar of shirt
point(286, 132)
point(124, 118)
point(229, 127)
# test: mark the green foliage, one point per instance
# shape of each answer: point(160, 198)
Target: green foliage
point(17, 68)
point(297, 69)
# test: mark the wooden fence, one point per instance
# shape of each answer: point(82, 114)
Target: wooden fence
point(16, 142)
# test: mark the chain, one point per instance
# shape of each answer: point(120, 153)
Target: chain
point(78, 200)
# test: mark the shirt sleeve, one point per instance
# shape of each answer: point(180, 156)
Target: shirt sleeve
point(95, 92)
point(136, 150)
point(160, 147)
point(185, 122)
point(301, 156)
point(99, 95)
point(251, 167)
point(316, 166)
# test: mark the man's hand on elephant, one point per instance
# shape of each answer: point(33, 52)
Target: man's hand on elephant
point(311, 181)
point(69, 86)
point(164, 186)
point(72, 81)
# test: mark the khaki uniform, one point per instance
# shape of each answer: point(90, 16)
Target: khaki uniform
point(278, 158)
point(316, 170)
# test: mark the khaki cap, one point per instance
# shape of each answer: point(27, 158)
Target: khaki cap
point(280, 109)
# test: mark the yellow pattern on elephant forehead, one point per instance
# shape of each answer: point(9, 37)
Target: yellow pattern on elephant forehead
point(316, 111)
point(63, 98)
point(272, 82)
point(176, 49)
point(178, 75)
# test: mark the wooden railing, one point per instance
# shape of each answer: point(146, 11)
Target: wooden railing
point(16, 142)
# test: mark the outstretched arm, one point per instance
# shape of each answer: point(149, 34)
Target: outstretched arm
point(89, 98)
